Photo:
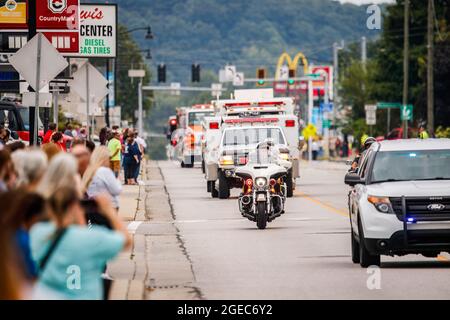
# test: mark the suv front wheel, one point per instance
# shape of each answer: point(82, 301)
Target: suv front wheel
point(366, 259)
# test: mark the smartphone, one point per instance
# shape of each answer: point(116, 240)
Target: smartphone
point(93, 214)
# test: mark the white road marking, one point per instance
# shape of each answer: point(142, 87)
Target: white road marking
point(133, 226)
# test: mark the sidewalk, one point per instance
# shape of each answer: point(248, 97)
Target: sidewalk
point(157, 266)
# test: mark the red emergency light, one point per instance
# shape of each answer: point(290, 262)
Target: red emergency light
point(270, 103)
point(213, 125)
point(238, 104)
point(290, 123)
point(173, 122)
point(246, 120)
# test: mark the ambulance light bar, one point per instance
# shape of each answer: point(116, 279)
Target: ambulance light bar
point(251, 120)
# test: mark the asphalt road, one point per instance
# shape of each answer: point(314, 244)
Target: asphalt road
point(305, 254)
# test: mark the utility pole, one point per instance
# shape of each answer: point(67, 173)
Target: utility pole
point(405, 64)
point(107, 106)
point(430, 69)
point(31, 33)
point(364, 52)
point(336, 49)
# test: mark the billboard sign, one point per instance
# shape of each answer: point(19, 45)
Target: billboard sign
point(13, 14)
point(57, 14)
point(98, 31)
point(58, 20)
point(319, 85)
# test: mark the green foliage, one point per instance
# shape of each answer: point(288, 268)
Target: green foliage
point(157, 148)
point(129, 56)
point(442, 132)
point(384, 79)
point(247, 33)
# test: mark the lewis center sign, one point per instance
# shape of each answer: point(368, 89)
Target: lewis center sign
point(98, 30)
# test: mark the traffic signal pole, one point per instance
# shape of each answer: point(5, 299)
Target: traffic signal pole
point(406, 64)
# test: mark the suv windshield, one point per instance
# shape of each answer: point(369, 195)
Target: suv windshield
point(196, 118)
point(252, 136)
point(411, 165)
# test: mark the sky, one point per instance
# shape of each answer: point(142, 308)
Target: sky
point(366, 1)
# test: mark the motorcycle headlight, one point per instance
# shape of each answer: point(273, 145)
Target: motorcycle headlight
point(261, 182)
point(382, 204)
point(226, 160)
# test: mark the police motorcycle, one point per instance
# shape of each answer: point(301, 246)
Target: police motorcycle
point(264, 183)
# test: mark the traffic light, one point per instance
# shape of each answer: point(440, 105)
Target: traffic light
point(195, 73)
point(162, 73)
point(291, 76)
point(261, 75)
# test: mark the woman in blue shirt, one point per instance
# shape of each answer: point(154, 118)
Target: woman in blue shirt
point(131, 158)
point(71, 256)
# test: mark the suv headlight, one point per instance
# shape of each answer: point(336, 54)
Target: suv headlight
point(382, 204)
point(226, 160)
point(261, 182)
point(284, 156)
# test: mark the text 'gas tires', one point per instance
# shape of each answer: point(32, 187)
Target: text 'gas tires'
point(289, 185)
point(261, 215)
point(224, 189)
point(366, 259)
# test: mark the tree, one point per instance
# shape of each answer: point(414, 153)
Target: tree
point(129, 56)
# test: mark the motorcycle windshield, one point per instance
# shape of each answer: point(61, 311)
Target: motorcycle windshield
point(263, 155)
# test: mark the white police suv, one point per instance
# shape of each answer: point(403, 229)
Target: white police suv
point(400, 200)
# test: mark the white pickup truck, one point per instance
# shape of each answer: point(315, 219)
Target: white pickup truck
point(400, 200)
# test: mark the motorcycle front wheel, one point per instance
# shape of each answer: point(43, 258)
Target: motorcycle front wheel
point(261, 215)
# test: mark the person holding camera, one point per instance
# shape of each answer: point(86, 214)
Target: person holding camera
point(70, 255)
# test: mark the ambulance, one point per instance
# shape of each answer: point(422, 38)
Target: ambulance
point(188, 144)
point(256, 108)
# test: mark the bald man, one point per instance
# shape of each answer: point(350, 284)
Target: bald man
point(83, 155)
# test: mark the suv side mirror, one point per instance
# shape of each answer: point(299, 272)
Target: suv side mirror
point(353, 179)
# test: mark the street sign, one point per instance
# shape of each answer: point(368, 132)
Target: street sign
point(319, 85)
point(97, 83)
point(406, 113)
point(388, 105)
point(371, 114)
point(283, 73)
point(238, 79)
point(29, 99)
point(175, 88)
point(98, 31)
point(326, 107)
point(136, 73)
point(230, 71)
point(52, 62)
point(216, 89)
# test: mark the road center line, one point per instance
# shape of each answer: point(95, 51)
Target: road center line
point(440, 258)
point(323, 204)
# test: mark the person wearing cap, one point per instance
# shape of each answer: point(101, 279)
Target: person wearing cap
point(366, 142)
point(423, 134)
point(115, 148)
